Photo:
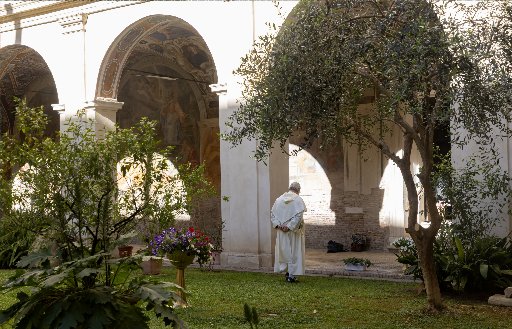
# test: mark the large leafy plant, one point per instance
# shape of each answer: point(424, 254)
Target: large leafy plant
point(468, 257)
point(77, 294)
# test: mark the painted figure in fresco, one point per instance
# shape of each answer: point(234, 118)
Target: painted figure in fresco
point(172, 118)
point(287, 218)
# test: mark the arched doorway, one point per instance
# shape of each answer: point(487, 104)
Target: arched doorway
point(161, 68)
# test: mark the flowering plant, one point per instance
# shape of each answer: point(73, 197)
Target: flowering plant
point(190, 241)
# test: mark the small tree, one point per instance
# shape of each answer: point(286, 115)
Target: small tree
point(85, 193)
point(80, 195)
point(419, 58)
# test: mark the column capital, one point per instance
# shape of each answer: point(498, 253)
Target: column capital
point(103, 112)
point(219, 88)
point(104, 104)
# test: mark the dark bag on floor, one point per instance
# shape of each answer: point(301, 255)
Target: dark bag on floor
point(333, 246)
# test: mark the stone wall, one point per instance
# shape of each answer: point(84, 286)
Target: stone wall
point(338, 208)
point(352, 213)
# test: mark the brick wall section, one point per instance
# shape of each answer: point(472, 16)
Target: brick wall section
point(322, 227)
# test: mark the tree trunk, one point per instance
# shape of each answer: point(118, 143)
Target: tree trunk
point(425, 247)
point(423, 237)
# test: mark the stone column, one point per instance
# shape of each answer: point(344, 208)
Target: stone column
point(251, 188)
point(102, 112)
point(70, 77)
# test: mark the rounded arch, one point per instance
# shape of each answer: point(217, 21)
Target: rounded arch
point(320, 174)
point(160, 67)
point(162, 35)
point(315, 185)
point(25, 74)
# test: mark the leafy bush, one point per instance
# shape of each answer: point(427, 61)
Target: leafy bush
point(78, 295)
point(81, 196)
point(408, 255)
point(15, 242)
point(357, 261)
point(467, 256)
point(483, 265)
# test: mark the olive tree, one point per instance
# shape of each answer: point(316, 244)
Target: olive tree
point(428, 63)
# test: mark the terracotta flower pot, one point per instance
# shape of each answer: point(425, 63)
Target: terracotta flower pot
point(152, 265)
point(125, 251)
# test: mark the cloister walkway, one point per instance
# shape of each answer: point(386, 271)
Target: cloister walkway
point(319, 262)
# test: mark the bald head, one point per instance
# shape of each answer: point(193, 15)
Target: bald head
point(294, 187)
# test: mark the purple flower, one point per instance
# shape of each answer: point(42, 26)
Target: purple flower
point(189, 240)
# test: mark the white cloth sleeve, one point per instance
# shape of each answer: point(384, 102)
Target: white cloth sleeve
point(295, 223)
point(274, 220)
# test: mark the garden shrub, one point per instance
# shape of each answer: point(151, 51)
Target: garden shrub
point(15, 242)
point(81, 197)
point(468, 256)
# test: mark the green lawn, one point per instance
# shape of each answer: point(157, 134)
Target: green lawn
point(216, 301)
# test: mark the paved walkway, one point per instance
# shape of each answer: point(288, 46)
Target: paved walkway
point(384, 264)
point(319, 262)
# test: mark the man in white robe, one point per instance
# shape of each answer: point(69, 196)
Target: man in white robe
point(287, 218)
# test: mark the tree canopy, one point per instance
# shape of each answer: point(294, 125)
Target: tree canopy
point(425, 64)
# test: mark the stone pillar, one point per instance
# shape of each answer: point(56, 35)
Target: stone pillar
point(61, 109)
point(102, 112)
point(251, 188)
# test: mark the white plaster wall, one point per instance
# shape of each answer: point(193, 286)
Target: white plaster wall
point(460, 156)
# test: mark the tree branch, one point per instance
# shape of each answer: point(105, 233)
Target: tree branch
point(365, 72)
point(379, 144)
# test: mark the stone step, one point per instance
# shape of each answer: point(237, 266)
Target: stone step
point(500, 300)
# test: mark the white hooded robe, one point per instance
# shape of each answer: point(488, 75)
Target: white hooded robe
point(290, 249)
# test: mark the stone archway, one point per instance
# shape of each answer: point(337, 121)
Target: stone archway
point(161, 68)
point(349, 191)
point(25, 74)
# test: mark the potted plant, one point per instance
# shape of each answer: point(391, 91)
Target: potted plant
point(357, 264)
point(150, 264)
point(125, 250)
point(359, 242)
point(182, 246)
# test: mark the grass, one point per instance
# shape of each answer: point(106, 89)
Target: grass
point(216, 301)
